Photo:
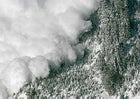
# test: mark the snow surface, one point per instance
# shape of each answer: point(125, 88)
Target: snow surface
point(35, 34)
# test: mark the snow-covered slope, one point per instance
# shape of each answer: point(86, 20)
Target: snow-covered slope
point(110, 66)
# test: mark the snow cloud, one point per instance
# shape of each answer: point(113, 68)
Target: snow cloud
point(36, 35)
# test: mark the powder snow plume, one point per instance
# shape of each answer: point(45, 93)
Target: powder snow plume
point(36, 35)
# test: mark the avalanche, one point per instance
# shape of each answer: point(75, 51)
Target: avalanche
point(37, 35)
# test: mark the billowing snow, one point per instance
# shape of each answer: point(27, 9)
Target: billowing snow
point(39, 66)
point(15, 75)
point(3, 91)
point(35, 34)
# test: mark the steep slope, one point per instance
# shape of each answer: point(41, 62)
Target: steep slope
point(111, 64)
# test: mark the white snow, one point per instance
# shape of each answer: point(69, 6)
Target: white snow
point(3, 91)
point(37, 33)
point(135, 97)
point(23, 96)
point(15, 75)
point(39, 66)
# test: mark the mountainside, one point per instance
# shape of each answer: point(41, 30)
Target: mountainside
point(110, 65)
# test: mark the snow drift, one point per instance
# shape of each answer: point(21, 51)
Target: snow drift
point(38, 34)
